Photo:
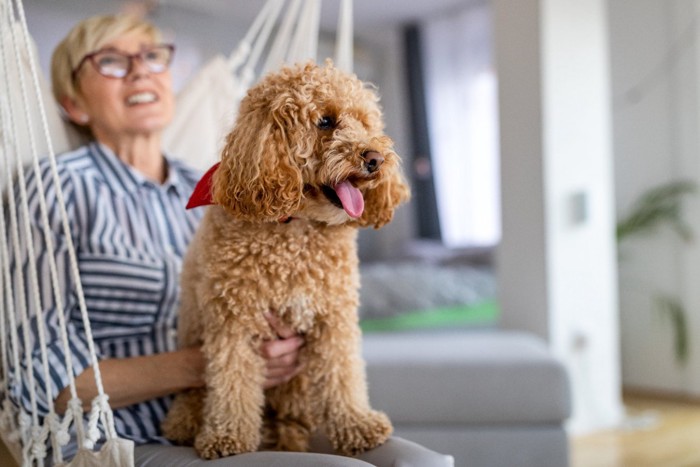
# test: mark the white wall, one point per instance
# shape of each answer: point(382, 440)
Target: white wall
point(557, 259)
point(655, 76)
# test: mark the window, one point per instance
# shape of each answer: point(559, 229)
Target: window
point(461, 107)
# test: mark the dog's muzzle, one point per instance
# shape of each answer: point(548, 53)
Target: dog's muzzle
point(373, 161)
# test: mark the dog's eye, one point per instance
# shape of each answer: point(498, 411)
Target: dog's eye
point(326, 123)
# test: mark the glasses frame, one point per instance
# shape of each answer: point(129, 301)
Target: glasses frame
point(130, 57)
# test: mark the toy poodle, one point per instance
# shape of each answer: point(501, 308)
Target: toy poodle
point(305, 165)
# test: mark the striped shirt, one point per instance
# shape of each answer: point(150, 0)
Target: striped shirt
point(130, 235)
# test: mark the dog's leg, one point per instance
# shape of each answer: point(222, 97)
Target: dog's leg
point(184, 418)
point(232, 416)
point(340, 389)
point(293, 420)
point(269, 430)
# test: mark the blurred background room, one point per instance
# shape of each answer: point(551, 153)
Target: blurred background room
point(552, 147)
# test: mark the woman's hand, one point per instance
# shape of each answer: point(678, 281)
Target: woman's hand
point(282, 354)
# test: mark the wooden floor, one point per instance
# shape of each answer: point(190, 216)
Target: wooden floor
point(656, 433)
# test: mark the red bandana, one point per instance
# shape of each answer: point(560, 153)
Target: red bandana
point(201, 196)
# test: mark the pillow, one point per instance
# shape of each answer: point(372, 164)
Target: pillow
point(205, 111)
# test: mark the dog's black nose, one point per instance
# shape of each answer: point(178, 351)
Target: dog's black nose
point(373, 160)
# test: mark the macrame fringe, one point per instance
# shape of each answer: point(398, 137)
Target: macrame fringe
point(35, 434)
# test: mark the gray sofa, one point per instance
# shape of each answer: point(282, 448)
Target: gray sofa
point(490, 398)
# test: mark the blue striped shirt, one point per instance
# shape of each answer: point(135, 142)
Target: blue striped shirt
point(130, 235)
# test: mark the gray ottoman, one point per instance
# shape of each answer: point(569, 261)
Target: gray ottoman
point(490, 398)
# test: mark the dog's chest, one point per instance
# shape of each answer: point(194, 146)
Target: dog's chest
point(301, 253)
point(298, 269)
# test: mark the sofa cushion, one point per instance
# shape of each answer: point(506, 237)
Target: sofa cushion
point(494, 445)
point(465, 377)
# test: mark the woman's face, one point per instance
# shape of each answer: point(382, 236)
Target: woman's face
point(141, 103)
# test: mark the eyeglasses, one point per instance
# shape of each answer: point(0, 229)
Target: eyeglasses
point(115, 64)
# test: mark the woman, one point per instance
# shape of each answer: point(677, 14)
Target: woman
point(125, 201)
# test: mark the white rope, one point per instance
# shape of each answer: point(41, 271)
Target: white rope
point(98, 413)
point(281, 45)
point(8, 422)
point(8, 412)
point(299, 29)
point(104, 407)
point(17, 428)
point(248, 71)
point(4, 346)
point(9, 122)
point(295, 41)
point(4, 293)
point(11, 424)
point(25, 424)
point(344, 42)
point(37, 448)
point(249, 53)
point(241, 52)
point(314, 20)
point(35, 444)
point(299, 40)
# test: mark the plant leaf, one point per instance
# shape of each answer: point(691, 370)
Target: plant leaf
point(674, 310)
point(657, 206)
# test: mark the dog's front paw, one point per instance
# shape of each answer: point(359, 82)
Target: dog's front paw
point(210, 445)
point(184, 418)
point(178, 431)
point(292, 437)
point(354, 435)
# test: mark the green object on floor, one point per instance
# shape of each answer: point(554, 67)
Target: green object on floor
point(480, 314)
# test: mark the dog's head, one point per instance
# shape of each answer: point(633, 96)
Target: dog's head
point(309, 143)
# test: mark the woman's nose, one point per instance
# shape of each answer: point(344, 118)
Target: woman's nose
point(138, 68)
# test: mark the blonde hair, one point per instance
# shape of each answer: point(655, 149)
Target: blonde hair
point(87, 36)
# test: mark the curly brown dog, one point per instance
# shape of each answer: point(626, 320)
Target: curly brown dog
point(305, 165)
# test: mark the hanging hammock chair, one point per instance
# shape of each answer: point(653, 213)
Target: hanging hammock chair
point(31, 128)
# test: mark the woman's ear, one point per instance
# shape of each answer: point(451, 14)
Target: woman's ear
point(74, 111)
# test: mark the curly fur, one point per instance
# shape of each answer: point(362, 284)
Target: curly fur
point(243, 261)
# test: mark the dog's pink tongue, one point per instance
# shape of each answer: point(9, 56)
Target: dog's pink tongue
point(352, 199)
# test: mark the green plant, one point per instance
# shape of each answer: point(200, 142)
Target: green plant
point(672, 308)
point(659, 206)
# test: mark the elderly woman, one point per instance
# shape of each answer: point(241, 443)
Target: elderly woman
point(125, 200)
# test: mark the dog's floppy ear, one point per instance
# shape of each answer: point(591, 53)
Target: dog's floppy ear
point(258, 179)
point(390, 191)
